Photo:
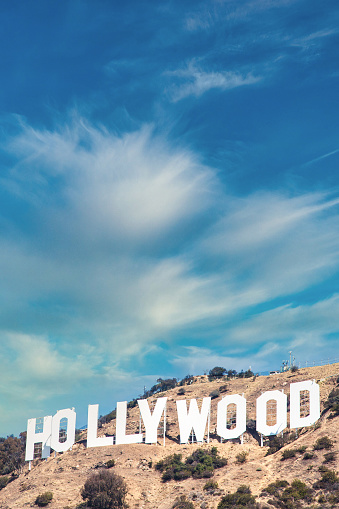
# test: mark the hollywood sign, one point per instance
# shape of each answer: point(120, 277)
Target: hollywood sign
point(191, 420)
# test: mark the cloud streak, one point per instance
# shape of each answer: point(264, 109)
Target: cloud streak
point(320, 158)
point(195, 81)
point(128, 242)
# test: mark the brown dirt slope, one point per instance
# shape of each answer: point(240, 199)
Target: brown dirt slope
point(65, 474)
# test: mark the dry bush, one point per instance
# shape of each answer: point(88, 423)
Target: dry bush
point(242, 457)
point(323, 443)
point(44, 499)
point(105, 490)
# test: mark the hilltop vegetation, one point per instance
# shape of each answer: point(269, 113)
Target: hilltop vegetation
point(293, 471)
point(164, 385)
point(200, 464)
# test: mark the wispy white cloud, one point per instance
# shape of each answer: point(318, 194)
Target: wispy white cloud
point(143, 187)
point(275, 42)
point(38, 375)
point(313, 38)
point(125, 241)
point(34, 374)
point(36, 361)
point(198, 360)
point(254, 7)
point(292, 322)
point(224, 11)
point(107, 211)
point(195, 81)
point(276, 245)
point(202, 19)
point(125, 203)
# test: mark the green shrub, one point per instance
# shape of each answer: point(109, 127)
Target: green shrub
point(201, 463)
point(242, 457)
point(211, 486)
point(168, 475)
point(168, 462)
point(322, 468)
point(25, 486)
point(308, 455)
point(244, 489)
point(187, 380)
point(161, 386)
point(78, 435)
point(109, 417)
point(110, 463)
point(329, 481)
point(275, 487)
point(245, 374)
point(132, 404)
point(223, 388)
point(299, 490)
point(181, 391)
point(241, 498)
point(217, 372)
point(294, 369)
point(214, 394)
point(12, 454)
point(4, 480)
point(170, 465)
point(182, 474)
point(332, 402)
point(330, 456)
point(277, 442)
point(182, 503)
point(288, 496)
point(231, 373)
point(105, 490)
point(333, 498)
point(44, 499)
point(287, 454)
point(323, 443)
point(301, 449)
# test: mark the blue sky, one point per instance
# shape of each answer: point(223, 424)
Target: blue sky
point(169, 194)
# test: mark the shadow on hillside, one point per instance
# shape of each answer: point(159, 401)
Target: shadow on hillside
point(251, 428)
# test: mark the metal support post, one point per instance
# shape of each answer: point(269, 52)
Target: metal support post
point(164, 424)
point(208, 428)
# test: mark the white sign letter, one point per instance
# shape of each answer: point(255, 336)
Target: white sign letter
point(314, 399)
point(281, 414)
point(194, 419)
point(35, 438)
point(120, 432)
point(151, 421)
point(92, 429)
point(240, 427)
point(70, 415)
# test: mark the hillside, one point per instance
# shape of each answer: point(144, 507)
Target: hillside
point(65, 473)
